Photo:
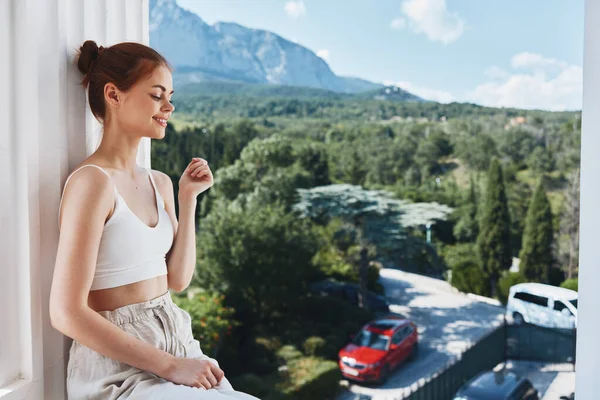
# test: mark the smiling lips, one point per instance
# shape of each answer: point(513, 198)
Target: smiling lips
point(161, 121)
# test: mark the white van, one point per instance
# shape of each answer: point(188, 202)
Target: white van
point(542, 305)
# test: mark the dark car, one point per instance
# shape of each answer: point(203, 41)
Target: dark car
point(501, 385)
point(348, 291)
point(378, 348)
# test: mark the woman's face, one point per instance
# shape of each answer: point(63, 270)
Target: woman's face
point(146, 107)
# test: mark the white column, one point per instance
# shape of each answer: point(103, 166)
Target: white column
point(47, 130)
point(588, 319)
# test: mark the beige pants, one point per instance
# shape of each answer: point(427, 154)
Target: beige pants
point(159, 322)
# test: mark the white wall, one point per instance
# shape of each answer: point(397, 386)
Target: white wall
point(46, 131)
point(588, 319)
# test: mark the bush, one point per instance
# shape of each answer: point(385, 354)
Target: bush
point(262, 351)
point(311, 378)
point(265, 347)
point(272, 344)
point(333, 344)
point(468, 277)
point(211, 320)
point(313, 345)
point(338, 255)
point(341, 317)
point(373, 278)
point(506, 282)
point(289, 353)
point(556, 276)
point(572, 284)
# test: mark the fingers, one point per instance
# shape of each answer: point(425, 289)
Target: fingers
point(211, 378)
point(205, 383)
point(197, 171)
point(195, 162)
point(217, 372)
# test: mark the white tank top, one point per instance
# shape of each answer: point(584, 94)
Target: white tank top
point(130, 251)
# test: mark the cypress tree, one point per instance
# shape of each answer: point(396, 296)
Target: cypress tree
point(536, 254)
point(467, 227)
point(493, 242)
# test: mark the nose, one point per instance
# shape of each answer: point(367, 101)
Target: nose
point(169, 107)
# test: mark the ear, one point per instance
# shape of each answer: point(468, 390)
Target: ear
point(112, 95)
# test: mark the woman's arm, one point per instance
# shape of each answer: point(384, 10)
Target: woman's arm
point(181, 259)
point(87, 202)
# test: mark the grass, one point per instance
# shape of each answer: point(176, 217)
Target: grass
point(460, 172)
point(556, 186)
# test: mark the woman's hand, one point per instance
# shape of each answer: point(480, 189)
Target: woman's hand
point(195, 373)
point(196, 178)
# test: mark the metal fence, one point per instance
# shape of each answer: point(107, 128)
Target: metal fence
point(535, 343)
point(516, 342)
point(482, 356)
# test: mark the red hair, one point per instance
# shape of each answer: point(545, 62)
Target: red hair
point(122, 64)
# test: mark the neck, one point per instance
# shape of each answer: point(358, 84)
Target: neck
point(119, 148)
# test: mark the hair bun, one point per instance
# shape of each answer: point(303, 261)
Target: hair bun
point(88, 53)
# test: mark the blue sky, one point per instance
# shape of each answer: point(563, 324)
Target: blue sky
point(517, 53)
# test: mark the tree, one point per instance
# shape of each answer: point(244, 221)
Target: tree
point(570, 222)
point(243, 132)
point(429, 151)
point(388, 160)
point(467, 227)
point(412, 177)
point(493, 243)
point(366, 210)
point(477, 150)
point(378, 219)
point(517, 144)
point(313, 158)
point(536, 254)
point(467, 275)
point(257, 254)
point(353, 167)
point(540, 160)
point(519, 195)
point(267, 167)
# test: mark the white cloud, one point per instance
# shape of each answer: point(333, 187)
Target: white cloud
point(532, 81)
point(423, 92)
point(536, 62)
point(295, 9)
point(545, 83)
point(432, 18)
point(324, 54)
point(398, 23)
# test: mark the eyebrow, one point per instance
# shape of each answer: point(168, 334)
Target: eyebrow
point(163, 88)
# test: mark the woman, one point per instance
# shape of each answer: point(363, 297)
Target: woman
point(121, 246)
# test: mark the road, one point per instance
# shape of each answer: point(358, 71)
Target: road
point(448, 322)
point(552, 380)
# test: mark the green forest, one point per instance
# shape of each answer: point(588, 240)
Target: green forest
point(311, 185)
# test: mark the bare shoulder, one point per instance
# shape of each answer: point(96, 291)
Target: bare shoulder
point(164, 183)
point(87, 189)
point(88, 180)
point(163, 180)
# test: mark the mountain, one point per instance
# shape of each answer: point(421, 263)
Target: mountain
point(231, 52)
point(254, 90)
point(389, 93)
point(273, 91)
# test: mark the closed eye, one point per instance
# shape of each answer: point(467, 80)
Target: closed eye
point(157, 98)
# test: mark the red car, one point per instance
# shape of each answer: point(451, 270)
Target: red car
point(378, 348)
